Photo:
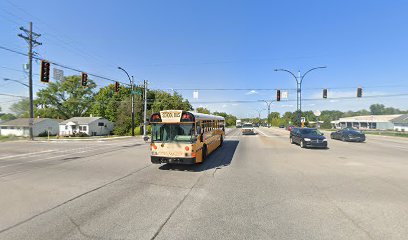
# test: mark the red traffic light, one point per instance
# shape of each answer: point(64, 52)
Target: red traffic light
point(84, 79)
point(278, 95)
point(45, 71)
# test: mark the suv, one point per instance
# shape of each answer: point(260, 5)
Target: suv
point(247, 128)
point(308, 137)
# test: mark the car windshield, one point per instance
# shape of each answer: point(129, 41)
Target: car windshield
point(310, 131)
point(247, 125)
point(172, 132)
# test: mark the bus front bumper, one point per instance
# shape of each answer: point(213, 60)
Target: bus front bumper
point(160, 160)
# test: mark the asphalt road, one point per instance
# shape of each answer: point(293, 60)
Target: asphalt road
point(254, 187)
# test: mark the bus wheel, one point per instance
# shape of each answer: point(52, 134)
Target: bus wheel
point(221, 140)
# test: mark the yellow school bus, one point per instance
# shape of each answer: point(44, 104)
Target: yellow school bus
point(184, 137)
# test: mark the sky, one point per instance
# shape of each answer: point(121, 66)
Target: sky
point(184, 44)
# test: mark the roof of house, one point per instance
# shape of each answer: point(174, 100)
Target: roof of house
point(401, 119)
point(81, 120)
point(369, 118)
point(23, 122)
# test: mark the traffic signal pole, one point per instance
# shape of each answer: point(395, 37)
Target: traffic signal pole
point(133, 105)
point(30, 38)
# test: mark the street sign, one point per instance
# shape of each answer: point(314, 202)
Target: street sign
point(58, 74)
point(317, 113)
point(303, 119)
point(137, 92)
point(195, 94)
point(284, 94)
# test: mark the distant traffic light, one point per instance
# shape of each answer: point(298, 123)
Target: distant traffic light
point(84, 79)
point(45, 72)
point(117, 86)
point(359, 92)
point(324, 93)
point(278, 95)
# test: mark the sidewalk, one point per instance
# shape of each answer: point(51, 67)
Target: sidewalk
point(68, 139)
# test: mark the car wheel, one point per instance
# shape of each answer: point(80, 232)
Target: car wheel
point(291, 140)
point(343, 139)
point(302, 144)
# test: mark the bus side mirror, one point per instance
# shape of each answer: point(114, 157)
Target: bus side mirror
point(223, 128)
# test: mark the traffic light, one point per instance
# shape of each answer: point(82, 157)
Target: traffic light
point(45, 72)
point(84, 79)
point(359, 92)
point(278, 95)
point(117, 86)
point(324, 93)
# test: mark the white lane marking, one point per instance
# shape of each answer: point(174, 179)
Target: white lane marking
point(261, 132)
point(27, 154)
point(57, 156)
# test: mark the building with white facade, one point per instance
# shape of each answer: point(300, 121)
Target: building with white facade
point(92, 126)
point(20, 127)
point(401, 123)
point(378, 122)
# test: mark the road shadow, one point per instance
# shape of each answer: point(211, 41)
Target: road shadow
point(221, 157)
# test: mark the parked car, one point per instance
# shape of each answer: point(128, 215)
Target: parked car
point(282, 126)
point(349, 135)
point(289, 127)
point(308, 137)
point(247, 128)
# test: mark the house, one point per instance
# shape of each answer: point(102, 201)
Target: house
point(378, 122)
point(20, 127)
point(401, 123)
point(92, 126)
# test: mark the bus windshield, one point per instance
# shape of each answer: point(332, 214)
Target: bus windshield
point(162, 132)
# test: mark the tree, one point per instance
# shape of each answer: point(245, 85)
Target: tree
point(164, 101)
point(203, 110)
point(21, 108)
point(377, 109)
point(65, 99)
point(7, 117)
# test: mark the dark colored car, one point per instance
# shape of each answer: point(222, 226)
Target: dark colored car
point(308, 137)
point(281, 126)
point(349, 135)
point(289, 128)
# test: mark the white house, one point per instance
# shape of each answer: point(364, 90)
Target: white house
point(20, 127)
point(93, 126)
point(401, 123)
point(378, 122)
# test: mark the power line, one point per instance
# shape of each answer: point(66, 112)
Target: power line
point(63, 66)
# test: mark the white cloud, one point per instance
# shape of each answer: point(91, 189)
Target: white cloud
point(251, 92)
point(224, 106)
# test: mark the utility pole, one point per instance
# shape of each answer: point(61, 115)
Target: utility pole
point(30, 37)
point(145, 109)
point(268, 103)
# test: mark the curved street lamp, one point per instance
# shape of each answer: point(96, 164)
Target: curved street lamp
point(133, 100)
point(299, 80)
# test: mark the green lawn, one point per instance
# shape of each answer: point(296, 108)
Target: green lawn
point(11, 138)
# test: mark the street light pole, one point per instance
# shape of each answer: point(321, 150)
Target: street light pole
point(17, 81)
point(299, 80)
point(133, 100)
point(268, 103)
